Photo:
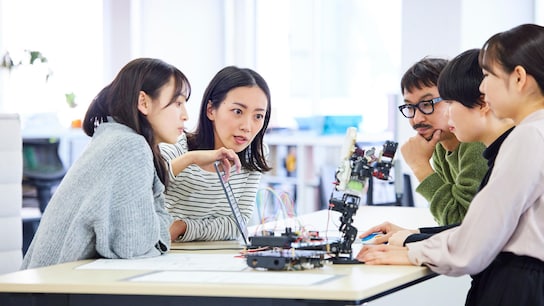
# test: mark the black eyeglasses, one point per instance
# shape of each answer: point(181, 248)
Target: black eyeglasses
point(425, 106)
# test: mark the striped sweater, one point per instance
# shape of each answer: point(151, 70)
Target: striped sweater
point(197, 197)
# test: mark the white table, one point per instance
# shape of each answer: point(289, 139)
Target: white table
point(348, 284)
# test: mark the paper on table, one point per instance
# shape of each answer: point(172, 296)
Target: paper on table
point(172, 261)
point(259, 277)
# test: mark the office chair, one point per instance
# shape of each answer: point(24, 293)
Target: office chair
point(408, 194)
point(404, 199)
point(42, 167)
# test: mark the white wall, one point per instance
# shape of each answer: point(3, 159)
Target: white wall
point(482, 19)
point(446, 28)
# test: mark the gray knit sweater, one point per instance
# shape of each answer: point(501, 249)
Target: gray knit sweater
point(110, 204)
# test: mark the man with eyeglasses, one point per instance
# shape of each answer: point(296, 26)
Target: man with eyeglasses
point(449, 172)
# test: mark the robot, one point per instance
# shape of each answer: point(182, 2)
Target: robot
point(356, 167)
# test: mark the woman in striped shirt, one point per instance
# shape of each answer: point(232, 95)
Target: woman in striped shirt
point(233, 118)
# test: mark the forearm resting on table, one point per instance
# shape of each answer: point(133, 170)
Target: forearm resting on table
point(177, 229)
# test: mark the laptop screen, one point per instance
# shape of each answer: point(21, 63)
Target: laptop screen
point(238, 218)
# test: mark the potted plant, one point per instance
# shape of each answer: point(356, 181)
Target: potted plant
point(32, 57)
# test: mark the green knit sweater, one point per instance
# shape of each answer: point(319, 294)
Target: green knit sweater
point(457, 177)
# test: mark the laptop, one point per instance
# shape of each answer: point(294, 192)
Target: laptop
point(233, 203)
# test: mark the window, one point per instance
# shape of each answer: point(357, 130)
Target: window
point(67, 33)
point(328, 57)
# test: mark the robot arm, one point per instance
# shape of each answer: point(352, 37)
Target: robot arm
point(355, 168)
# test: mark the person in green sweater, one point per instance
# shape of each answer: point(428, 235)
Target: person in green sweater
point(449, 171)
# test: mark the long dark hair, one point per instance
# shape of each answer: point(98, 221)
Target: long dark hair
point(253, 157)
point(522, 45)
point(460, 79)
point(119, 100)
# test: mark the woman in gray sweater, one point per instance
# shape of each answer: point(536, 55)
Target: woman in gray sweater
point(110, 204)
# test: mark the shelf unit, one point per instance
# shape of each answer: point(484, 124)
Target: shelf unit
point(317, 157)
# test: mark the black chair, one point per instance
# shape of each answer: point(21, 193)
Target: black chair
point(408, 194)
point(42, 167)
point(404, 199)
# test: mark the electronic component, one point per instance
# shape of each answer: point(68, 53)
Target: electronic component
point(286, 259)
point(291, 240)
point(290, 251)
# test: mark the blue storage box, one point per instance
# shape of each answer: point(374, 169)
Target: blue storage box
point(327, 125)
point(312, 123)
point(339, 124)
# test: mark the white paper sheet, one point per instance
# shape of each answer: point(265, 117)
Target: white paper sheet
point(173, 261)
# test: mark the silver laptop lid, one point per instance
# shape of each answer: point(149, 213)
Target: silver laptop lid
point(231, 199)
